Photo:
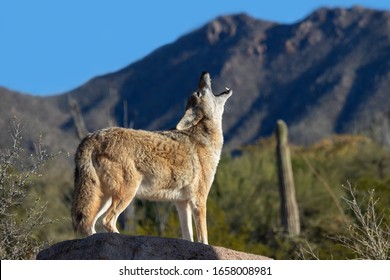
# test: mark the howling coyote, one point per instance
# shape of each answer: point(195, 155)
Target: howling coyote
point(114, 165)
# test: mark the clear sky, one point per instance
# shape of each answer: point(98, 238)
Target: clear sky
point(49, 47)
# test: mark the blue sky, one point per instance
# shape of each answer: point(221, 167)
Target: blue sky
point(49, 47)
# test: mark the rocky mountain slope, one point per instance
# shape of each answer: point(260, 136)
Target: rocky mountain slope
point(327, 73)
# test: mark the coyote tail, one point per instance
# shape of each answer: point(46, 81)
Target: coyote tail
point(86, 200)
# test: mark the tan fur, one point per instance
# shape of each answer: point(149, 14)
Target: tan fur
point(114, 165)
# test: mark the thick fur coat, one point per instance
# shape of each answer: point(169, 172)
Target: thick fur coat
point(114, 165)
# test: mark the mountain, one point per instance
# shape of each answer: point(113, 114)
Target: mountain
point(327, 73)
point(38, 118)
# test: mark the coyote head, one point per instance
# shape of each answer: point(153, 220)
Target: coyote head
point(204, 104)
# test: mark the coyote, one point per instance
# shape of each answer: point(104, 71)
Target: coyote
point(114, 165)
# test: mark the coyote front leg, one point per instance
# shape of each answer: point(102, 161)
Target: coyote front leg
point(199, 210)
point(185, 216)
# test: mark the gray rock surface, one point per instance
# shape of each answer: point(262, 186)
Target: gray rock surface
point(112, 246)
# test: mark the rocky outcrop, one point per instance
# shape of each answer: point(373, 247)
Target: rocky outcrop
point(112, 246)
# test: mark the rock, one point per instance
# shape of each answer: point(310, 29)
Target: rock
point(112, 246)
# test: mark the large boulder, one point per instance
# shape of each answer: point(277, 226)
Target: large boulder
point(112, 246)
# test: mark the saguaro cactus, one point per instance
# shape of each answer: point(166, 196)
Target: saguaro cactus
point(78, 119)
point(288, 203)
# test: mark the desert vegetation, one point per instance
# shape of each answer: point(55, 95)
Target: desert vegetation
point(22, 215)
point(342, 191)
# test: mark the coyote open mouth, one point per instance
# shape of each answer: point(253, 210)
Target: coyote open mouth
point(227, 91)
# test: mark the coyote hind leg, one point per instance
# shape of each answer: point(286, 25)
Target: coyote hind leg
point(104, 204)
point(119, 203)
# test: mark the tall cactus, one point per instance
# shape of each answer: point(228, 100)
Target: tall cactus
point(288, 203)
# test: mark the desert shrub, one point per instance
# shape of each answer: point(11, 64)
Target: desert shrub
point(21, 216)
point(368, 237)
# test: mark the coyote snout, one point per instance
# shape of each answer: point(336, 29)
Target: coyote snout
point(114, 165)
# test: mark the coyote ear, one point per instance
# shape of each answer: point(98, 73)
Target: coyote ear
point(189, 119)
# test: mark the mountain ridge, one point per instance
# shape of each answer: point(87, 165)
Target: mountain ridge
point(327, 73)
